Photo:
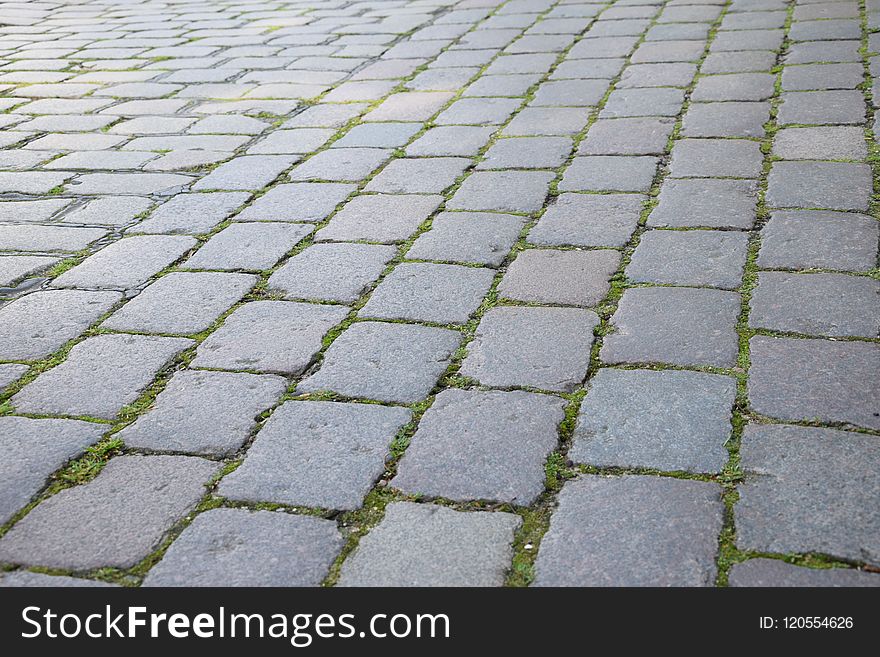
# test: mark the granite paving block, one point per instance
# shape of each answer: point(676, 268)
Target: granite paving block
point(666, 420)
point(206, 413)
point(378, 135)
point(632, 531)
point(269, 336)
point(527, 153)
point(38, 324)
point(679, 326)
point(813, 185)
point(332, 272)
point(451, 141)
point(341, 164)
point(589, 220)
point(26, 578)
point(808, 489)
point(546, 348)
point(191, 214)
point(705, 202)
point(631, 136)
point(386, 362)
point(735, 86)
point(474, 237)
point(251, 246)
point(767, 573)
point(430, 545)
point(698, 258)
point(430, 175)
point(429, 292)
point(725, 119)
point(317, 454)
point(506, 191)
point(34, 449)
point(816, 107)
point(597, 173)
point(297, 202)
point(246, 172)
point(820, 143)
point(31, 237)
point(115, 520)
point(479, 445)
point(823, 380)
point(380, 218)
point(716, 158)
point(237, 547)
point(535, 121)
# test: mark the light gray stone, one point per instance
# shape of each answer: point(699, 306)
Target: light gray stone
point(251, 246)
point(767, 573)
point(191, 214)
point(297, 202)
point(380, 218)
point(473, 237)
point(574, 278)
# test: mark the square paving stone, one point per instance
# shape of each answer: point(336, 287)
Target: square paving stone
point(766, 573)
point(332, 272)
point(822, 76)
point(680, 326)
point(380, 218)
point(571, 93)
point(298, 140)
point(821, 143)
point(674, 74)
point(663, 101)
point(478, 445)
point(191, 213)
point(817, 304)
point(451, 140)
point(507, 191)
point(705, 202)
point(597, 173)
point(821, 380)
point(429, 545)
point(269, 336)
point(822, 107)
point(26, 578)
point(317, 454)
point(100, 376)
point(830, 185)
point(475, 237)
point(716, 158)
point(378, 135)
point(527, 153)
point(546, 348)
point(808, 239)
point(31, 237)
point(589, 220)
point(254, 246)
point(478, 111)
point(636, 136)
point(237, 547)
point(809, 490)
point(534, 121)
point(297, 202)
point(747, 61)
point(574, 278)
point(34, 449)
point(115, 520)
point(202, 412)
point(126, 263)
point(37, 324)
point(429, 175)
point(712, 258)
point(632, 531)
point(386, 362)
point(735, 86)
point(181, 303)
point(341, 164)
point(428, 292)
point(667, 420)
point(731, 119)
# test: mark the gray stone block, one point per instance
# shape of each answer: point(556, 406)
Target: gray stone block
point(506, 191)
point(812, 185)
point(635, 136)
point(418, 175)
point(317, 454)
point(716, 158)
point(730, 119)
point(767, 573)
point(575, 278)
point(589, 220)
point(821, 143)
point(692, 203)
point(297, 202)
point(344, 164)
point(191, 214)
point(527, 153)
point(474, 237)
point(380, 218)
point(598, 173)
point(251, 246)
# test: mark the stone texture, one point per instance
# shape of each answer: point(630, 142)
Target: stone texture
point(809, 490)
point(386, 362)
point(666, 420)
point(475, 445)
point(317, 454)
point(251, 246)
point(692, 203)
point(380, 218)
point(474, 237)
point(100, 376)
point(200, 412)
point(547, 348)
point(815, 380)
point(429, 545)
point(269, 336)
point(679, 326)
point(38, 324)
point(191, 214)
point(767, 573)
point(297, 202)
point(237, 547)
point(506, 191)
point(598, 173)
point(588, 220)
point(632, 531)
point(116, 519)
point(831, 185)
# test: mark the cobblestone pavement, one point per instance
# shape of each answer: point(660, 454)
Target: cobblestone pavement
point(403, 292)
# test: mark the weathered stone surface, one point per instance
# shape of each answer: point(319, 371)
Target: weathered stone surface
point(237, 547)
point(317, 454)
point(191, 214)
point(33, 450)
point(506, 191)
point(24, 578)
point(589, 220)
point(632, 531)
point(809, 490)
point(252, 246)
point(386, 362)
point(203, 412)
point(116, 519)
point(831, 185)
point(475, 445)
point(668, 420)
point(776, 573)
point(474, 237)
point(708, 202)
point(380, 218)
point(297, 202)
point(545, 348)
point(269, 336)
point(100, 376)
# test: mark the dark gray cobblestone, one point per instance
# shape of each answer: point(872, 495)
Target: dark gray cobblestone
point(431, 256)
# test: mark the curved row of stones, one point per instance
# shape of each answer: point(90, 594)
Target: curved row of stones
point(329, 252)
